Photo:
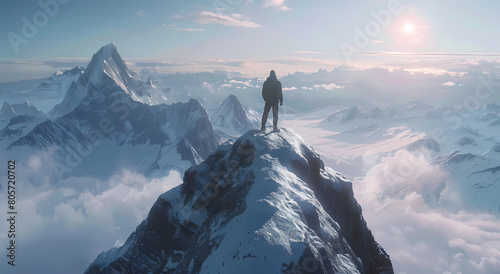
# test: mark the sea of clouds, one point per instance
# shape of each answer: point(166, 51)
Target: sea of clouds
point(416, 214)
point(62, 229)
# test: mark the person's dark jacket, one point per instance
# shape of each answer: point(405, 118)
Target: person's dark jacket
point(271, 90)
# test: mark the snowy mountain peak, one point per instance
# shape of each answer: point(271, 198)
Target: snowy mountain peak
point(232, 106)
point(106, 74)
point(5, 106)
point(234, 117)
point(26, 104)
point(75, 70)
point(232, 98)
point(107, 50)
point(23, 105)
point(265, 203)
point(108, 62)
point(17, 120)
point(8, 111)
point(55, 87)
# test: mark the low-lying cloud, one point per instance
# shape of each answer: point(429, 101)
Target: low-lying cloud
point(61, 230)
point(416, 216)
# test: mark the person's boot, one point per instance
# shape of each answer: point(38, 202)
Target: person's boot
point(264, 121)
point(275, 123)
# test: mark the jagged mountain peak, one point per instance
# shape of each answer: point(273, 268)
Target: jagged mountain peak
point(345, 115)
point(17, 120)
point(107, 50)
point(74, 71)
point(234, 116)
point(231, 103)
point(10, 110)
point(108, 62)
point(175, 136)
point(5, 106)
point(263, 204)
point(56, 86)
point(232, 98)
point(106, 74)
point(104, 53)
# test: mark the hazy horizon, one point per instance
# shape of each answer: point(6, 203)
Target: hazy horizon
point(248, 36)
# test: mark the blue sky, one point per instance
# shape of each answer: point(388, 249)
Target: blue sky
point(246, 36)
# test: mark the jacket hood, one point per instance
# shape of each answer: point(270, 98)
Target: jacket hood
point(272, 76)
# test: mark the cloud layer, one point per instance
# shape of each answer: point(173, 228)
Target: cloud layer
point(63, 230)
point(277, 4)
point(419, 221)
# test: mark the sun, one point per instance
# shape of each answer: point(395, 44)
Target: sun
point(409, 27)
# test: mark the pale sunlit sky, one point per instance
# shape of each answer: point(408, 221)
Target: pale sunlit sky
point(247, 35)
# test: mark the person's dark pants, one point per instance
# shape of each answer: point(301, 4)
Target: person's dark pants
point(267, 108)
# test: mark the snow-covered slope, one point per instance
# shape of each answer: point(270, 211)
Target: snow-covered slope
point(106, 66)
point(57, 84)
point(394, 113)
point(99, 139)
point(17, 127)
point(103, 128)
point(233, 117)
point(440, 134)
point(265, 204)
point(44, 93)
point(9, 111)
point(17, 120)
point(106, 69)
point(478, 179)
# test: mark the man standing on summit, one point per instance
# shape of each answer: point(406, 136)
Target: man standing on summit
point(272, 94)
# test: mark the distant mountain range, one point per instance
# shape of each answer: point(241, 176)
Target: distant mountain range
point(102, 112)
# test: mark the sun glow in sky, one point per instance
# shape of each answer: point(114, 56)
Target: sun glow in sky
point(183, 36)
point(409, 27)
